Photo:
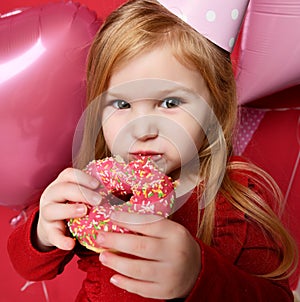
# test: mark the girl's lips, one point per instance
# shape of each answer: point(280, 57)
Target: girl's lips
point(153, 155)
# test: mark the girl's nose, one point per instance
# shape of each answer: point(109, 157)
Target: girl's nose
point(145, 128)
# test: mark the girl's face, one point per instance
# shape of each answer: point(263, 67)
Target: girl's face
point(156, 107)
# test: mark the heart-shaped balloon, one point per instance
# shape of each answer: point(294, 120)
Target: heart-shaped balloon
point(269, 54)
point(43, 53)
point(102, 8)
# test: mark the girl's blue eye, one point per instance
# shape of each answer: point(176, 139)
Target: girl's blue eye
point(121, 104)
point(170, 102)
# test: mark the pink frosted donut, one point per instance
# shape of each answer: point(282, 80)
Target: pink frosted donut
point(137, 187)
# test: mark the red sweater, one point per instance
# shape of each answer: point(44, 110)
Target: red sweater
point(240, 251)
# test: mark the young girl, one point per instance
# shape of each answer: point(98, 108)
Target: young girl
point(161, 85)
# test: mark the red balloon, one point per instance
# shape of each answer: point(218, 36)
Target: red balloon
point(43, 53)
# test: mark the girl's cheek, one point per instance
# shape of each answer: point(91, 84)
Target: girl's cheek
point(109, 137)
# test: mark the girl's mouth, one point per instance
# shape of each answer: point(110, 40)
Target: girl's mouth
point(151, 154)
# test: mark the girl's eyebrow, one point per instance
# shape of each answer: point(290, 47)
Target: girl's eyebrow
point(114, 95)
point(156, 94)
point(179, 90)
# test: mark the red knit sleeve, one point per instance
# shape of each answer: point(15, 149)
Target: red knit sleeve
point(30, 263)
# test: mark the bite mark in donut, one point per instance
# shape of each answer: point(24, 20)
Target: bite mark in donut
point(137, 187)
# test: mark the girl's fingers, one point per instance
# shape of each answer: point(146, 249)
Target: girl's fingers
point(66, 197)
point(54, 212)
point(149, 239)
point(133, 268)
point(64, 191)
point(140, 246)
point(53, 234)
point(134, 218)
point(65, 243)
point(139, 287)
point(60, 240)
point(150, 225)
point(72, 175)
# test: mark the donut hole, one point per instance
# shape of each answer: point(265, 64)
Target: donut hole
point(118, 198)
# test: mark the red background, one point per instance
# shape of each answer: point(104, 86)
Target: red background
point(274, 146)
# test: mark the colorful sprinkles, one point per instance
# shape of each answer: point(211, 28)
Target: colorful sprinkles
point(149, 189)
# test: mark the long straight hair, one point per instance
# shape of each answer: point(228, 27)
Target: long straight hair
point(141, 25)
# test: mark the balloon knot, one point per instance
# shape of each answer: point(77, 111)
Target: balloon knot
point(17, 219)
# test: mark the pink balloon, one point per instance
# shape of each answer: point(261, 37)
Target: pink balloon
point(269, 55)
point(42, 93)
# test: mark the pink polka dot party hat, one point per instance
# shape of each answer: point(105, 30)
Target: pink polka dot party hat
point(217, 20)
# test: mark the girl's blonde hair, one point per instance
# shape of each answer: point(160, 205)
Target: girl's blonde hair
point(141, 25)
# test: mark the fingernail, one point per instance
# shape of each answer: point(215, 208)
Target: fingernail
point(81, 209)
point(96, 199)
point(114, 215)
point(113, 280)
point(102, 257)
point(94, 183)
point(100, 239)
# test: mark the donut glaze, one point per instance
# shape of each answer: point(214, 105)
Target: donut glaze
point(137, 187)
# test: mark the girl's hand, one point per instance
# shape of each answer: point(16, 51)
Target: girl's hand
point(169, 258)
point(71, 185)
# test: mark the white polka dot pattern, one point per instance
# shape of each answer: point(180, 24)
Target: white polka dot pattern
point(250, 119)
point(210, 16)
point(235, 14)
point(217, 20)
